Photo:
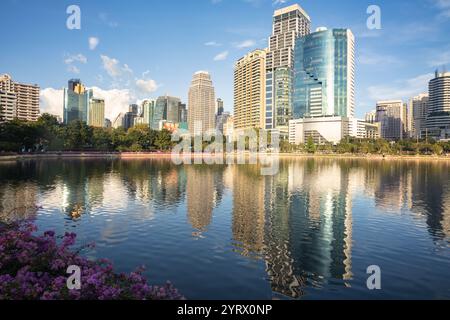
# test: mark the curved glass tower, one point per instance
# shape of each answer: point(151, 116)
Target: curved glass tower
point(324, 72)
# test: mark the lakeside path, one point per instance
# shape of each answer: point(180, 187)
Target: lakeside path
point(154, 155)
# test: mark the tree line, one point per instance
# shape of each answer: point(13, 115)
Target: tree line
point(369, 146)
point(47, 134)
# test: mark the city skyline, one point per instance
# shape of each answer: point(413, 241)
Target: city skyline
point(395, 62)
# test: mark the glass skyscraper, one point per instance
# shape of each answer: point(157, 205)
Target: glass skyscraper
point(76, 102)
point(324, 73)
point(167, 109)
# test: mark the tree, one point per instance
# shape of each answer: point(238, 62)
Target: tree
point(78, 136)
point(310, 145)
point(101, 139)
point(163, 140)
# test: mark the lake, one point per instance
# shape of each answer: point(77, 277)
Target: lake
point(227, 232)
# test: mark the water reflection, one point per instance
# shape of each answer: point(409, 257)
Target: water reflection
point(299, 223)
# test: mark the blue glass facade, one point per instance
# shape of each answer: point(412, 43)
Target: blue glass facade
point(76, 102)
point(323, 74)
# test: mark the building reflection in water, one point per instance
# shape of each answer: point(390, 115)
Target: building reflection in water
point(299, 222)
point(201, 196)
point(17, 202)
point(248, 209)
point(309, 226)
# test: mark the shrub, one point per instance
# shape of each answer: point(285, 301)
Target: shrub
point(34, 268)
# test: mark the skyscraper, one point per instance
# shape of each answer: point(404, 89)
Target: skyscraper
point(148, 110)
point(130, 117)
point(391, 116)
point(18, 100)
point(438, 118)
point(324, 76)
point(250, 91)
point(168, 109)
point(76, 102)
point(288, 24)
point(419, 108)
point(201, 105)
point(96, 113)
point(219, 107)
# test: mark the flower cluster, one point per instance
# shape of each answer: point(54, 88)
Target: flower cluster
point(34, 268)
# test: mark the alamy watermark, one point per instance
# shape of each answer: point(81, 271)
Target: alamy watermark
point(74, 280)
point(374, 20)
point(73, 21)
point(374, 280)
point(250, 146)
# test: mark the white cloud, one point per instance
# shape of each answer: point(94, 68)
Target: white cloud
point(404, 89)
point(111, 66)
point(116, 101)
point(221, 56)
point(73, 69)
point(278, 2)
point(444, 6)
point(212, 44)
point(75, 58)
point(51, 101)
point(93, 43)
point(146, 86)
point(245, 44)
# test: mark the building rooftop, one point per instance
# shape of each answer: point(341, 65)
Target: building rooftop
point(293, 7)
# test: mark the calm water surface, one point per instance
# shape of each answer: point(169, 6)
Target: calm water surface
point(226, 232)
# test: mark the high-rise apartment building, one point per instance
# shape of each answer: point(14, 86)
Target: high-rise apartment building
point(324, 76)
point(438, 118)
point(96, 116)
point(391, 115)
point(201, 105)
point(76, 102)
point(288, 24)
point(250, 91)
point(18, 100)
point(371, 117)
point(419, 109)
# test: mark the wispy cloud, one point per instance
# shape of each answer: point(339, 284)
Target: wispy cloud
point(245, 44)
point(279, 2)
point(444, 7)
point(104, 17)
point(212, 44)
point(402, 89)
point(221, 56)
point(113, 67)
point(73, 69)
point(373, 58)
point(75, 58)
point(72, 60)
point(440, 59)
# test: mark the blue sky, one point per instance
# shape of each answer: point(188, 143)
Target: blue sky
point(148, 48)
